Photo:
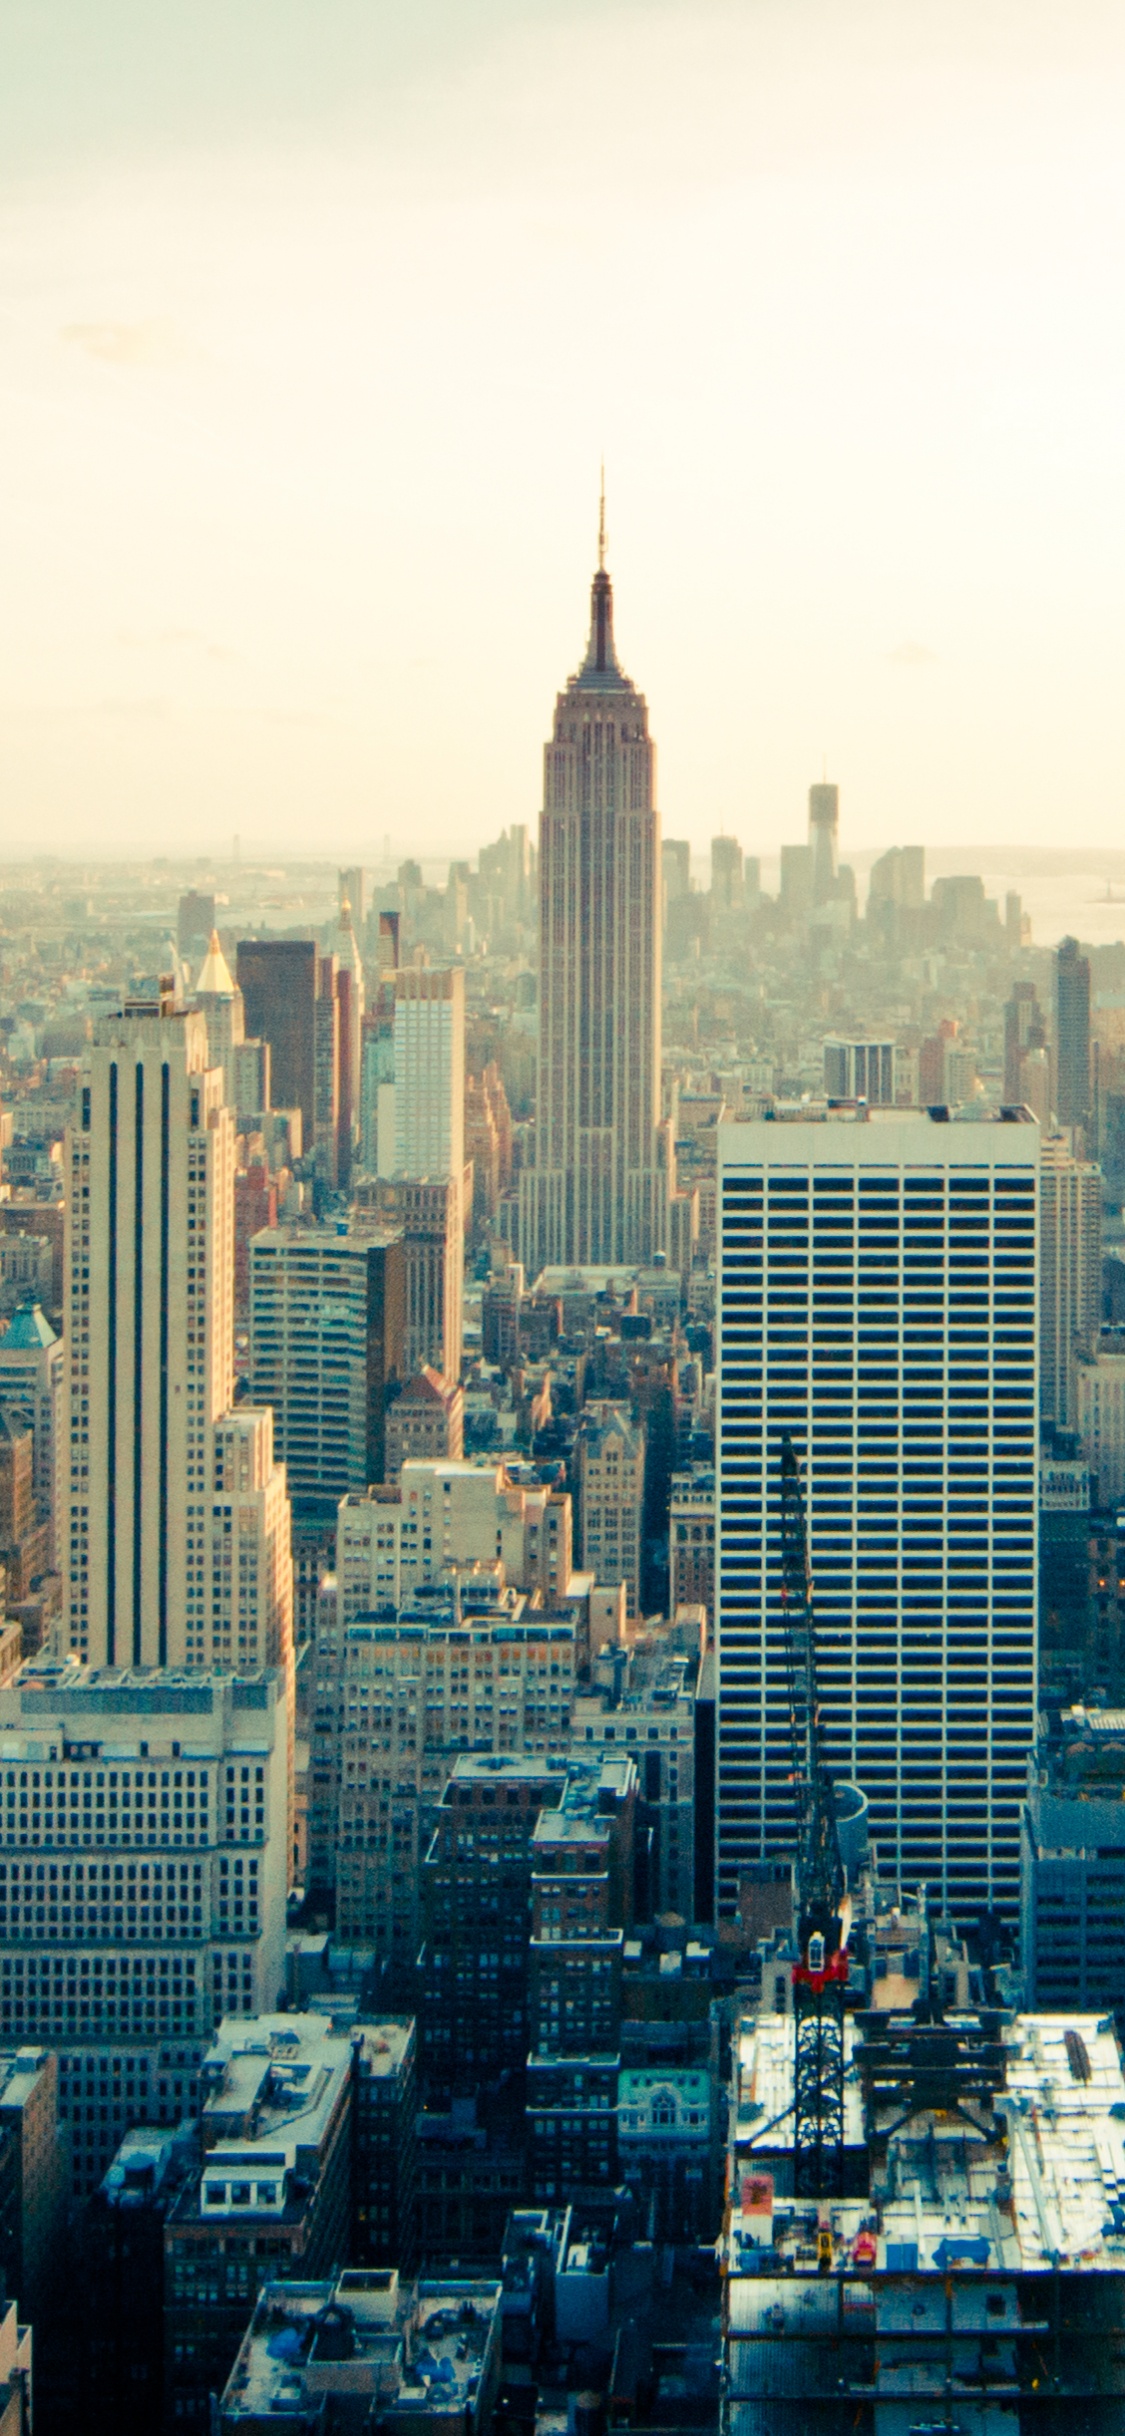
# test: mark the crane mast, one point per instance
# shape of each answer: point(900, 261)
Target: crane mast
point(821, 1970)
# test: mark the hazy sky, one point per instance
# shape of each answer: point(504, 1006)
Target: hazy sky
point(316, 316)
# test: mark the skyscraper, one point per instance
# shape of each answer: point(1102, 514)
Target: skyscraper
point(824, 823)
point(146, 1486)
point(1070, 1273)
point(327, 1350)
point(1072, 1034)
point(878, 1301)
point(278, 981)
point(429, 1070)
point(219, 1001)
point(726, 874)
point(1023, 1031)
point(598, 1192)
point(150, 1332)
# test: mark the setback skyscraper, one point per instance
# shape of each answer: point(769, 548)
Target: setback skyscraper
point(150, 1495)
point(598, 1191)
point(878, 1301)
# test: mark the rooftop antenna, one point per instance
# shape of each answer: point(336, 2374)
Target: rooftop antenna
point(601, 525)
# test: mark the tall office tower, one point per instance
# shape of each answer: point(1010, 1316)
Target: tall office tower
point(726, 874)
point(1072, 1035)
point(429, 1047)
point(377, 1082)
point(253, 1095)
point(149, 1456)
point(898, 878)
point(796, 898)
point(195, 921)
point(428, 1213)
point(877, 1300)
point(387, 955)
point(326, 1075)
point(32, 1386)
point(327, 1350)
point(278, 981)
point(1023, 1031)
point(150, 1334)
point(860, 1070)
point(824, 825)
point(675, 866)
point(1070, 1274)
point(349, 992)
point(143, 1878)
point(351, 885)
point(597, 1191)
point(219, 1001)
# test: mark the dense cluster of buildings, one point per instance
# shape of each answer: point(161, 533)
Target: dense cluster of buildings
point(405, 1291)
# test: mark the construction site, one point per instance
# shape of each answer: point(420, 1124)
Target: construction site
point(924, 2231)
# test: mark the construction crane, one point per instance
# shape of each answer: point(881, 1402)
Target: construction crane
point(820, 1972)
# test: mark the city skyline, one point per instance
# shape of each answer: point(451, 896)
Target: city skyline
point(847, 517)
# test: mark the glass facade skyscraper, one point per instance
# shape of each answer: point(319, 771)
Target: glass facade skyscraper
point(877, 1300)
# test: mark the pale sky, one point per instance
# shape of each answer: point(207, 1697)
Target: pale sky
point(316, 317)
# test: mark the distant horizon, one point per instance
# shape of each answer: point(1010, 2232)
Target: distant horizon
point(317, 329)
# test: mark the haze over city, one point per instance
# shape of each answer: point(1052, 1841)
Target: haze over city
point(562, 1218)
point(318, 323)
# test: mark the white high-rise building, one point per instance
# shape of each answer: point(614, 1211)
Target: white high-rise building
point(144, 1847)
point(878, 1301)
point(219, 1001)
point(145, 1508)
point(599, 1189)
point(429, 1061)
point(1070, 1301)
point(150, 1333)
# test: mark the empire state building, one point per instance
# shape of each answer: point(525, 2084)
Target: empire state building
point(598, 1192)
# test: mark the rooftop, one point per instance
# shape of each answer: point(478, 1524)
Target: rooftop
point(595, 1789)
point(1018, 2177)
point(397, 2353)
point(271, 2090)
point(28, 1331)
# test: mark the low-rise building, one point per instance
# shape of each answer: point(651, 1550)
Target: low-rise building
point(361, 2349)
point(120, 2329)
point(273, 2200)
point(425, 1423)
point(451, 1513)
point(665, 2142)
point(476, 1672)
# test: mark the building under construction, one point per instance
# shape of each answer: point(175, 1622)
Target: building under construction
point(971, 2280)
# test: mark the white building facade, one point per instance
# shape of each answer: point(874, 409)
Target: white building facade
point(146, 1470)
point(878, 1301)
point(143, 1879)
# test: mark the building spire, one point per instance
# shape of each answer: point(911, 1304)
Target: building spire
point(601, 665)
